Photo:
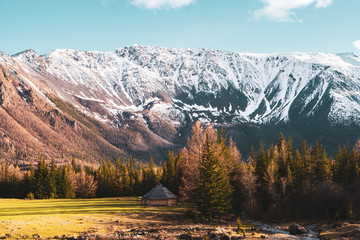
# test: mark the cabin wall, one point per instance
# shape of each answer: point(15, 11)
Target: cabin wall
point(159, 202)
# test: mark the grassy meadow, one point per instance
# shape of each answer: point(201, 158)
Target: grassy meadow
point(52, 217)
point(56, 217)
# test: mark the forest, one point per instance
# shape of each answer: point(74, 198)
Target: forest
point(280, 182)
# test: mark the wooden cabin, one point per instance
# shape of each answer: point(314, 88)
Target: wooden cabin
point(159, 196)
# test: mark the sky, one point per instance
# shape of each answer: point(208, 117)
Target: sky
point(257, 26)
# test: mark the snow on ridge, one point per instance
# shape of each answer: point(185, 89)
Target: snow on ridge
point(128, 77)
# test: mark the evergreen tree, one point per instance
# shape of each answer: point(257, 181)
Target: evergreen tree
point(285, 164)
point(131, 174)
point(64, 188)
point(151, 178)
point(299, 170)
point(352, 168)
point(320, 164)
point(341, 163)
point(74, 165)
point(261, 166)
point(214, 191)
point(41, 183)
point(169, 172)
point(52, 180)
point(178, 172)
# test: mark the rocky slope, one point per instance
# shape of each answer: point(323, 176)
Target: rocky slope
point(149, 96)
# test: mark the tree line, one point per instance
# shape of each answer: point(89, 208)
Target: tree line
point(278, 182)
point(74, 180)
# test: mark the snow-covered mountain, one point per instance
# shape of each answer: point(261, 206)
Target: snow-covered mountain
point(260, 88)
point(164, 88)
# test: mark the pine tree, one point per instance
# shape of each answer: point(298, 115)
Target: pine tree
point(64, 188)
point(352, 168)
point(285, 164)
point(320, 164)
point(131, 174)
point(178, 172)
point(341, 162)
point(214, 191)
point(151, 178)
point(261, 166)
point(299, 170)
point(123, 184)
point(169, 172)
point(74, 165)
point(41, 179)
point(52, 180)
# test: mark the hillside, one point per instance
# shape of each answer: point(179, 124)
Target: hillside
point(141, 100)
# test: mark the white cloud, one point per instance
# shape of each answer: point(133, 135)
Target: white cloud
point(357, 44)
point(161, 4)
point(284, 10)
point(323, 3)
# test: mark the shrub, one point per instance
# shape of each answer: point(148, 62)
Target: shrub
point(192, 216)
point(30, 196)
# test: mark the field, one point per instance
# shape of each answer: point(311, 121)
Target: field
point(108, 217)
point(49, 218)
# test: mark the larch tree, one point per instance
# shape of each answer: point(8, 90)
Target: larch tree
point(191, 161)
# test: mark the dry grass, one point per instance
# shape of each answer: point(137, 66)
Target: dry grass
point(49, 218)
point(343, 230)
point(56, 217)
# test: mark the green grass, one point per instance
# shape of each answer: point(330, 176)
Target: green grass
point(75, 216)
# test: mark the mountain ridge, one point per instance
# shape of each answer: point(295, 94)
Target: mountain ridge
point(139, 62)
point(164, 90)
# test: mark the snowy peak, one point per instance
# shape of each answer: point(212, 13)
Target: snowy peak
point(209, 85)
point(146, 97)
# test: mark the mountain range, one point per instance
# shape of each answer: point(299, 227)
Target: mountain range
point(141, 101)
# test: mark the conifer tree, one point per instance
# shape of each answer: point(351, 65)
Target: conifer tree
point(64, 188)
point(271, 174)
point(74, 165)
point(320, 164)
point(41, 179)
point(341, 162)
point(138, 188)
point(52, 180)
point(28, 181)
point(131, 174)
point(352, 168)
point(261, 165)
point(169, 172)
point(151, 178)
point(214, 191)
point(178, 172)
point(300, 171)
point(285, 164)
point(190, 164)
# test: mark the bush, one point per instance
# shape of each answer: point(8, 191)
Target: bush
point(30, 196)
point(192, 216)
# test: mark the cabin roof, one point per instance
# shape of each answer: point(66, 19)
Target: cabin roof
point(159, 192)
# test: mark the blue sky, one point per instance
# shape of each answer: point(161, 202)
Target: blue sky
point(259, 26)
